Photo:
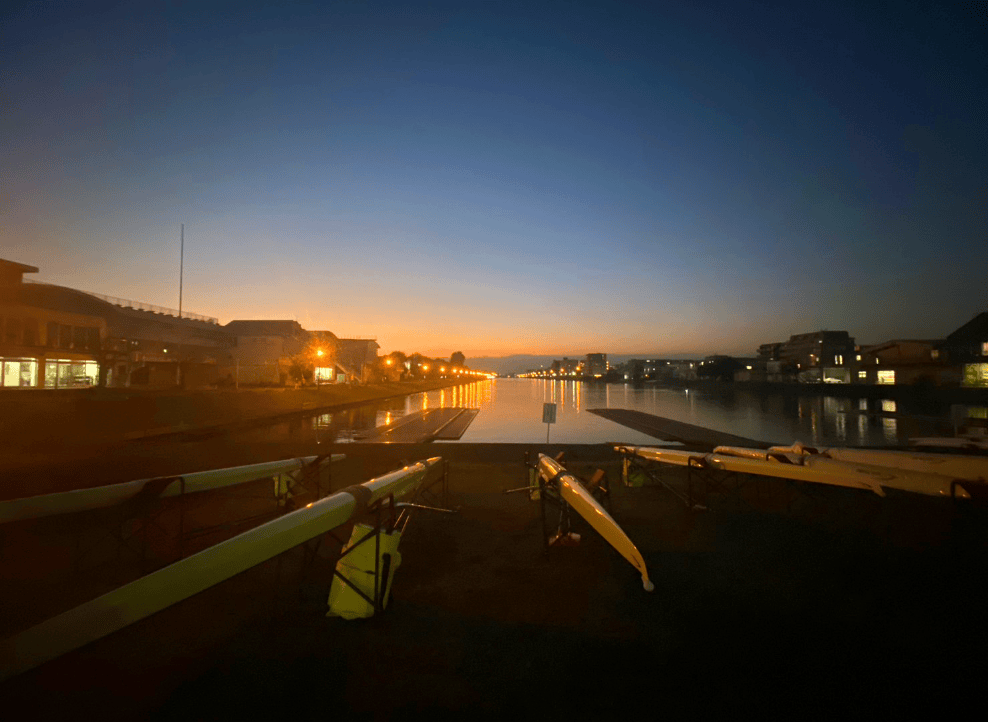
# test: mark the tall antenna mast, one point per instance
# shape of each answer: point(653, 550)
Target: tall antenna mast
point(181, 271)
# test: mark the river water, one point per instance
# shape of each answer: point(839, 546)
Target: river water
point(511, 412)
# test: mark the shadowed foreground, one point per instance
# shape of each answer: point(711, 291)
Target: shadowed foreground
point(771, 599)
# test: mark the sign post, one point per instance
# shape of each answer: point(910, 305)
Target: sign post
point(548, 417)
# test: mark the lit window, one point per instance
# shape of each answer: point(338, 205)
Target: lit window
point(984, 348)
point(858, 357)
point(886, 376)
point(934, 354)
point(862, 374)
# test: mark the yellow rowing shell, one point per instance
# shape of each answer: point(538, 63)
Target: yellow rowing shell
point(577, 496)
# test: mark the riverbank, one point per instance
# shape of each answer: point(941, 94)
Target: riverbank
point(779, 596)
point(56, 421)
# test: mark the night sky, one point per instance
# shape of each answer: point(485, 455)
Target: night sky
point(503, 177)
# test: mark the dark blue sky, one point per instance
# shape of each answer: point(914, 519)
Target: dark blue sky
point(508, 177)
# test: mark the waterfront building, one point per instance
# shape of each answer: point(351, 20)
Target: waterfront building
point(263, 350)
point(564, 367)
point(595, 365)
point(357, 358)
point(821, 356)
point(55, 337)
point(967, 348)
point(902, 362)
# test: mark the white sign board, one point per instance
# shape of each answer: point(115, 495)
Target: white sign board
point(548, 413)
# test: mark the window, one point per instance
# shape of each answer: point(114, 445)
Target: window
point(65, 373)
point(976, 375)
point(51, 337)
point(984, 348)
point(18, 372)
point(886, 376)
point(858, 357)
point(934, 354)
point(862, 374)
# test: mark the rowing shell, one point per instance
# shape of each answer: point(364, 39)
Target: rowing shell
point(817, 469)
point(955, 466)
point(577, 496)
point(161, 589)
point(101, 497)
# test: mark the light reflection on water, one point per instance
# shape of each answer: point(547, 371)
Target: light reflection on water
point(511, 412)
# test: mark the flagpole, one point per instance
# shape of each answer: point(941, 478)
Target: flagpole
point(181, 271)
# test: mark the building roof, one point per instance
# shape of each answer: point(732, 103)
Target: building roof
point(288, 329)
point(15, 266)
point(976, 326)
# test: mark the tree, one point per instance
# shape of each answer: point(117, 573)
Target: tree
point(457, 358)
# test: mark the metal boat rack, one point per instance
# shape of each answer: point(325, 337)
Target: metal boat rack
point(546, 493)
point(702, 480)
point(133, 523)
point(389, 517)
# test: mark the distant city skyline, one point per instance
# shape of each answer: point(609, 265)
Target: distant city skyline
point(517, 178)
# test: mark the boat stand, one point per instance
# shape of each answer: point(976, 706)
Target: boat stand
point(546, 494)
point(361, 586)
point(155, 531)
point(128, 525)
point(636, 471)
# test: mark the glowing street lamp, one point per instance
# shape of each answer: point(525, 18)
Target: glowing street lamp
point(319, 352)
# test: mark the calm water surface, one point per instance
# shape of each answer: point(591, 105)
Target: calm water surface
point(511, 412)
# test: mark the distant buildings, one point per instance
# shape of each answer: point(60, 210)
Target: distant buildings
point(832, 357)
point(595, 365)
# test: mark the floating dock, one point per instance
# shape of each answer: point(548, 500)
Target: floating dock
point(665, 429)
point(430, 425)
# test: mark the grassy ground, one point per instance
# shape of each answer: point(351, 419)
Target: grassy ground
point(777, 600)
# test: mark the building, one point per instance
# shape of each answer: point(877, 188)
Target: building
point(903, 362)
point(564, 367)
point(356, 357)
point(595, 365)
point(770, 352)
point(55, 337)
point(821, 356)
point(49, 337)
point(967, 349)
point(263, 351)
